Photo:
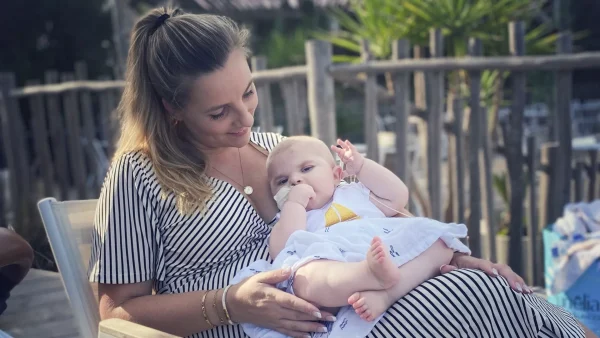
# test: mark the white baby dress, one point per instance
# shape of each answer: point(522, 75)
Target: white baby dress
point(342, 231)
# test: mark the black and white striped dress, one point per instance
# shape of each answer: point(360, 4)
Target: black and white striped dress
point(140, 236)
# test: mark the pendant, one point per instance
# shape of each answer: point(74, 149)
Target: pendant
point(248, 190)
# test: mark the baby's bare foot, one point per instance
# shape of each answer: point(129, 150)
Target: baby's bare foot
point(370, 304)
point(381, 264)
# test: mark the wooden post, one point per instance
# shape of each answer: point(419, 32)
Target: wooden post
point(459, 198)
point(434, 128)
point(57, 128)
point(18, 153)
point(550, 208)
point(486, 162)
point(87, 115)
point(371, 108)
point(5, 124)
point(578, 178)
point(265, 105)
point(74, 144)
point(562, 121)
point(321, 94)
point(420, 98)
point(401, 50)
point(536, 253)
point(475, 50)
point(292, 97)
point(39, 128)
point(514, 151)
point(592, 174)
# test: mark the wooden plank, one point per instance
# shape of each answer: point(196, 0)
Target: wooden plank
point(549, 210)
point(434, 127)
point(265, 105)
point(563, 92)
point(88, 123)
point(486, 163)
point(401, 50)
point(475, 50)
point(371, 107)
point(578, 178)
point(20, 175)
point(514, 150)
point(537, 253)
point(67, 86)
point(592, 171)
point(58, 141)
point(6, 123)
point(503, 63)
point(120, 328)
point(39, 307)
point(459, 190)
point(321, 94)
point(39, 127)
point(294, 115)
point(76, 156)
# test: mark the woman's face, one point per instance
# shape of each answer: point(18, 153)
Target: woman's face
point(221, 107)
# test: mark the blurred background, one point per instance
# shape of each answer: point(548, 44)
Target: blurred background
point(539, 129)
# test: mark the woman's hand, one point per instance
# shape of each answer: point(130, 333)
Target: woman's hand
point(352, 159)
point(256, 301)
point(462, 261)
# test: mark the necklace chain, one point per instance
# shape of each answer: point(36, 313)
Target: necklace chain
point(247, 189)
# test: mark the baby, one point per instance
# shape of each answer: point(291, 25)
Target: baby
point(344, 246)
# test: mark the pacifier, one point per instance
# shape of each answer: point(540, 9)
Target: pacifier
point(281, 196)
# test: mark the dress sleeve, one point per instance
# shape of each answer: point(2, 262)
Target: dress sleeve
point(126, 243)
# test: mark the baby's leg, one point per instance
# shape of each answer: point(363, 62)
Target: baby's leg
point(329, 283)
point(370, 304)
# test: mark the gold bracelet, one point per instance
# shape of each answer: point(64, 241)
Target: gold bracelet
point(210, 325)
point(229, 321)
point(215, 307)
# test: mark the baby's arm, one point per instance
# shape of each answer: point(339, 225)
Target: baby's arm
point(292, 217)
point(387, 188)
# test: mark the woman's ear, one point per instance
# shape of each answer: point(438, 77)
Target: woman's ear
point(174, 113)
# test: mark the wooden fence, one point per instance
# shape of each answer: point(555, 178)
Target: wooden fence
point(62, 147)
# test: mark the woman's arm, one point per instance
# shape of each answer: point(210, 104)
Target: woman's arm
point(463, 261)
point(254, 300)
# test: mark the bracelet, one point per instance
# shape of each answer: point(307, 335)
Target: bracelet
point(229, 321)
point(210, 325)
point(215, 307)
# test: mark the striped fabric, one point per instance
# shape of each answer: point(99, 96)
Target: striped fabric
point(141, 236)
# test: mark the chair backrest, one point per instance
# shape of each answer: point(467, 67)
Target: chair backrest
point(69, 227)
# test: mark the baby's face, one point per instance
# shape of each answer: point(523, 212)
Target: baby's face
point(303, 165)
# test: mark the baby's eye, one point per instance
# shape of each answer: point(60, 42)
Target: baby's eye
point(282, 181)
point(307, 168)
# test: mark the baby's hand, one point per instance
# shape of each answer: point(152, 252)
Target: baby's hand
point(352, 159)
point(301, 194)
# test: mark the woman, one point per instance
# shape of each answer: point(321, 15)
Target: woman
point(186, 205)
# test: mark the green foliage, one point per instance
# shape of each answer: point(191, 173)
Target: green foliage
point(285, 49)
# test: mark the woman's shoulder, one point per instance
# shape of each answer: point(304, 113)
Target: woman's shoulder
point(267, 141)
point(135, 164)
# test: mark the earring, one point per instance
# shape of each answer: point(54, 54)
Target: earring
point(175, 122)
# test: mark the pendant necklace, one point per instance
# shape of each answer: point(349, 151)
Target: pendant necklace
point(248, 190)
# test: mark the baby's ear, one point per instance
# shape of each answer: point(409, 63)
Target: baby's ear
point(338, 173)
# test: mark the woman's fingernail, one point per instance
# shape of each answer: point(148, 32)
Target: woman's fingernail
point(330, 318)
point(306, 336)
point(317, 314)
point(494, 271)
point(518, 286)
point(322, 329)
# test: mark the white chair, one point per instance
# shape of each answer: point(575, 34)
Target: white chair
point(69, 227)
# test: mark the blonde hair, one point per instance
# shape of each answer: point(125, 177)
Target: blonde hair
point(309, 141)
point(164, 59)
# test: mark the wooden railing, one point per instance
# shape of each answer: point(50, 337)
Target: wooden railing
point(68, 122)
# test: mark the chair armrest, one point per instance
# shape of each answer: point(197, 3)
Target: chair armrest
point(119, 328)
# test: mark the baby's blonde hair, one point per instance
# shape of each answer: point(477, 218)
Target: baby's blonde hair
point(310, 142)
